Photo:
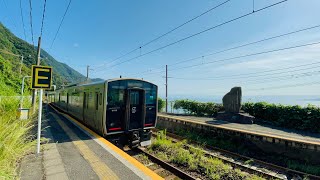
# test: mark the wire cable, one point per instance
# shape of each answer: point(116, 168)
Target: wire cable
point(168, 32)
point(64, 15)
point(43, 15)
point(254, 74)
point(30, 14)
point(235, 47)
point(267, 76)
point(285, 77)
point(201, 32)
point(248, 55)
point(286, 86)
point(22, 19)
point(247, 44)
point(237, 57)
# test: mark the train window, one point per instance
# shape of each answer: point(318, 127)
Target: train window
point(115, 97)
point(134, 97)
point(151, 95)
point(97, 99)
point(100, 99)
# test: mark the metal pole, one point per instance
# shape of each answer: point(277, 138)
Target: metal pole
point(21, 64)
point(88, 72)
point(34, 91)
point(166, 88)
point(22, 89)
point(39, 121)
point(38, 52)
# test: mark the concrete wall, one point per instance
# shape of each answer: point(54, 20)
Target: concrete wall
point(301, 151)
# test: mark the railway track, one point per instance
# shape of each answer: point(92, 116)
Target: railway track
point(264, 169)
point(162, 168)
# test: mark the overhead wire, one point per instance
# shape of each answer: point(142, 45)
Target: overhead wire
point(22, 19)
point(279, 78)
point(201, 32)
point(237, 57)
point(286, 86)
point(168, 32)
point(235, 47)
point(64, 15)
point(31, 26)
point(43, 15)
point(255, 74)
point(247, 55)
point(284, 77)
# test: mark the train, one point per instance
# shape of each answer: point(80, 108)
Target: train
point(122, 110)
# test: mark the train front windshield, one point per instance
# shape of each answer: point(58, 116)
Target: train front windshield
point(131, 105)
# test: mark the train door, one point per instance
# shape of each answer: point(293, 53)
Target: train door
point(96, 110)
point(116, 109)
point(84, 105)
point(135, 109)
point(67, 101)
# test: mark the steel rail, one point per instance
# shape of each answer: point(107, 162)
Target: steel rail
point(270, 166)
point(176, 171)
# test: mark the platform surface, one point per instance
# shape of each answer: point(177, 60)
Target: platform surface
point(254, 128)
point(72, 153)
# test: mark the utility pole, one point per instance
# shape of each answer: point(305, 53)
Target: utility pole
point(88, 72)
point(166, 88)
point(38, 63)
point(21, 64)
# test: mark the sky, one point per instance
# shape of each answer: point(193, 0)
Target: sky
point(96, 33)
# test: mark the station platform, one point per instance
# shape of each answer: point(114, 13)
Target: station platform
point(267, 133)
point(75, 152)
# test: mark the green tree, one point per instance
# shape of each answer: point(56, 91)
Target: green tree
point(161, 104)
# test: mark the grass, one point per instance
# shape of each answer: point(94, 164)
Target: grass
point(15, 138)
point(194, 160)
point(241, 148)
point(304, 167)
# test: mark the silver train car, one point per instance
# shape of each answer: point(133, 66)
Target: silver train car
point(122, 110)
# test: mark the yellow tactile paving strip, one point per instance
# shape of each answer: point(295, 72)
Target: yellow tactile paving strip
point(124, 155)
point(100, 168)
point(241, 130)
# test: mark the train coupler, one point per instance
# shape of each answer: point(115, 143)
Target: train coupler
point(134, 139)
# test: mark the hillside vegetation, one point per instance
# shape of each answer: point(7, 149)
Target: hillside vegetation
point(16, 139)
point(10, 77)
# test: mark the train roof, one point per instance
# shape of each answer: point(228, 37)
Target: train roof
point(105, 81)
point(118, 79)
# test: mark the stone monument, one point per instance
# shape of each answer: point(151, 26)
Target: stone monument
point(232, 105)
point(232, 100)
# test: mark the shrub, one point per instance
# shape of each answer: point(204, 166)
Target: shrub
point(161, 104)
point(198, 108)
point(294, 117)
point(14, 139)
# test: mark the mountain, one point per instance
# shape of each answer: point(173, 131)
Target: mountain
point(10, 77)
